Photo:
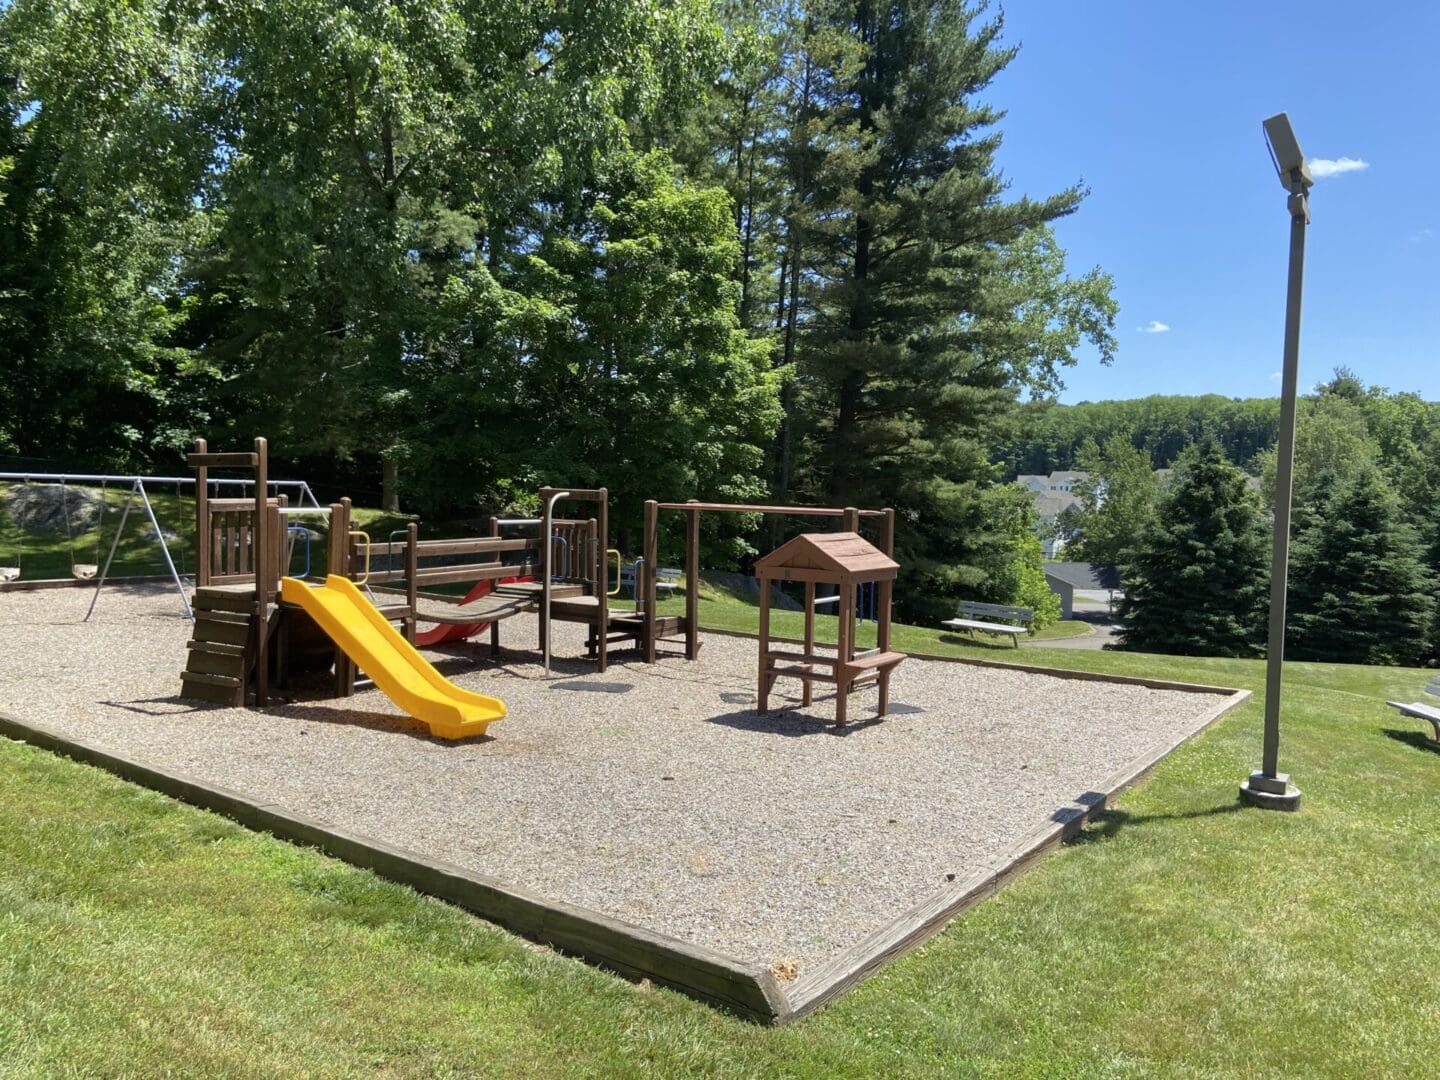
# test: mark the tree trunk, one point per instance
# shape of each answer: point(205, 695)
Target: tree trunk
point(390, 486)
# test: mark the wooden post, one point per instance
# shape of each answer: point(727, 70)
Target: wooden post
point(884, 590)
point(339, 549)
point(887, 533)
point(646, 587)
point(844, 648)
point(692, 584)
point(546, 548)
point(809, 638)
point(202, 520)
point(763, 687)
point(412, 574)
point(259, 539)
point(599, 542)
point(850, 520)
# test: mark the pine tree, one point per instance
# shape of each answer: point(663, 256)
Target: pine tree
point(1359, 589)
point(1197, 581)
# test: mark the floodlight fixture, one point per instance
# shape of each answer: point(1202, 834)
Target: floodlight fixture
point(1286, 154)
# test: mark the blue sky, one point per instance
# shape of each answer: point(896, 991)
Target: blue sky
point(1156, 107)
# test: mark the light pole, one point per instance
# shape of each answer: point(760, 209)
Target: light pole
point(1268, 787)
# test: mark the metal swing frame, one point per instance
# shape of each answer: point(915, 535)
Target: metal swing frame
point(138, 492)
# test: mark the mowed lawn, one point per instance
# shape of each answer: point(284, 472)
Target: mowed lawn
point(1181, 936)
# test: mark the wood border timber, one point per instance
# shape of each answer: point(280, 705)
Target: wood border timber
point(746, 989)
point(632, 951)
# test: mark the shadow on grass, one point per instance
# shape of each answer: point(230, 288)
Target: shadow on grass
point(1417, 739)
point(977, 642)
point(1105, 824)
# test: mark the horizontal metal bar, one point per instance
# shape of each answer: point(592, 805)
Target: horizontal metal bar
point(109, 479)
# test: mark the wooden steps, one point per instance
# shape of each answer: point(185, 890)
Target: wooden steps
point(221, 650)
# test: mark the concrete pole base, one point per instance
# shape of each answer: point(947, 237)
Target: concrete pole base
point(1270, 792)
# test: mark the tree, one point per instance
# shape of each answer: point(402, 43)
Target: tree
point(1116, 502)
point(1196, 583)
point(1359, 589)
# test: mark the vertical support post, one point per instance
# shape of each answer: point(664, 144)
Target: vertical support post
point(808, 693)
point(599, 542)
point(412, 574)
point(850, 520)
point(260, 550)
point(339, 564)
point(547, 548)
point(202, 519)
point(884, 592)
point(762, 690)
point(887, 533)
point(646, 584)
point(692, 584)
point(844, 649)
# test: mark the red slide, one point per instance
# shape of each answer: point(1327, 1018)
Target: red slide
point(443, 632)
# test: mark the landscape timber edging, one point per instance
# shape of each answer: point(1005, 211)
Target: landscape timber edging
point(927, 918)
point(749, 990)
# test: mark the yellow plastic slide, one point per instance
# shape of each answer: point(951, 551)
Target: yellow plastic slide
point(382, 652)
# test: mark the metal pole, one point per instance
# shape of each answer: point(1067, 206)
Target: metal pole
point(114, 543)
point(555, 497)
point(1269, 787)
point(165, 549)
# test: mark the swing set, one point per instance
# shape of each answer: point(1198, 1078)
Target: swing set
point(137, 495)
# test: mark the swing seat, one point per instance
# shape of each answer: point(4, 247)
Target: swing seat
point(84, 571)
point(8, 574)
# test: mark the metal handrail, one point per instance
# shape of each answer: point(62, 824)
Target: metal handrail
point(368, 545)
point(619, 570)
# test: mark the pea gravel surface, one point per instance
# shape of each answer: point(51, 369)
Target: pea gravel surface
point(654, 794)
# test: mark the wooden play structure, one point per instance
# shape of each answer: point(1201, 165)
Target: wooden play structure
point(846, 561)
point(656, 630)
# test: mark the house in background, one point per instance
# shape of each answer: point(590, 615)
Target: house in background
point(1054, 494)
point(1094, 581)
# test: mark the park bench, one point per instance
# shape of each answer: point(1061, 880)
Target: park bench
point(1420, 712)
point(667, 581)
point(972, 615)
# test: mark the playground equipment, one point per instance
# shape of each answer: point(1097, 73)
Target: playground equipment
point(138, 494)
point(656, 629)
point(846, 561)
point(369, 640)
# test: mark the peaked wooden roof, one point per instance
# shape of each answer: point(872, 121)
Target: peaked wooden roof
point(843, 555)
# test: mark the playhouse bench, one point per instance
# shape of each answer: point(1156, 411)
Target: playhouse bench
point(1420, 712)
point(972, 615)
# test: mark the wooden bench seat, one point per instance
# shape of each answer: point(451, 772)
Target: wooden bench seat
point(874, 661)
point(481, 610)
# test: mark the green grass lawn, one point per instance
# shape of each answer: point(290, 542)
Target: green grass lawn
point(1181, 935)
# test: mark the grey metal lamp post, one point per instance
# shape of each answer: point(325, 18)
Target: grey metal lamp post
point(1268, 787)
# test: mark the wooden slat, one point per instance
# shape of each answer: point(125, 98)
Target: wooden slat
point(429, 548)
point(240, 460)
point(763, 508)
point(479, 572)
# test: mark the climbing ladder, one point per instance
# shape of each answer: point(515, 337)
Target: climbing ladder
point(222, 649)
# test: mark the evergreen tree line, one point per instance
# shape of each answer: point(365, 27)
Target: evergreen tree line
point(733, 250)
point(1194, 549)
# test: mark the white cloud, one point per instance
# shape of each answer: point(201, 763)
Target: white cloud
point(1422, 236)
point(1154, 326)
point(1321, 167)
point(1275, 376)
